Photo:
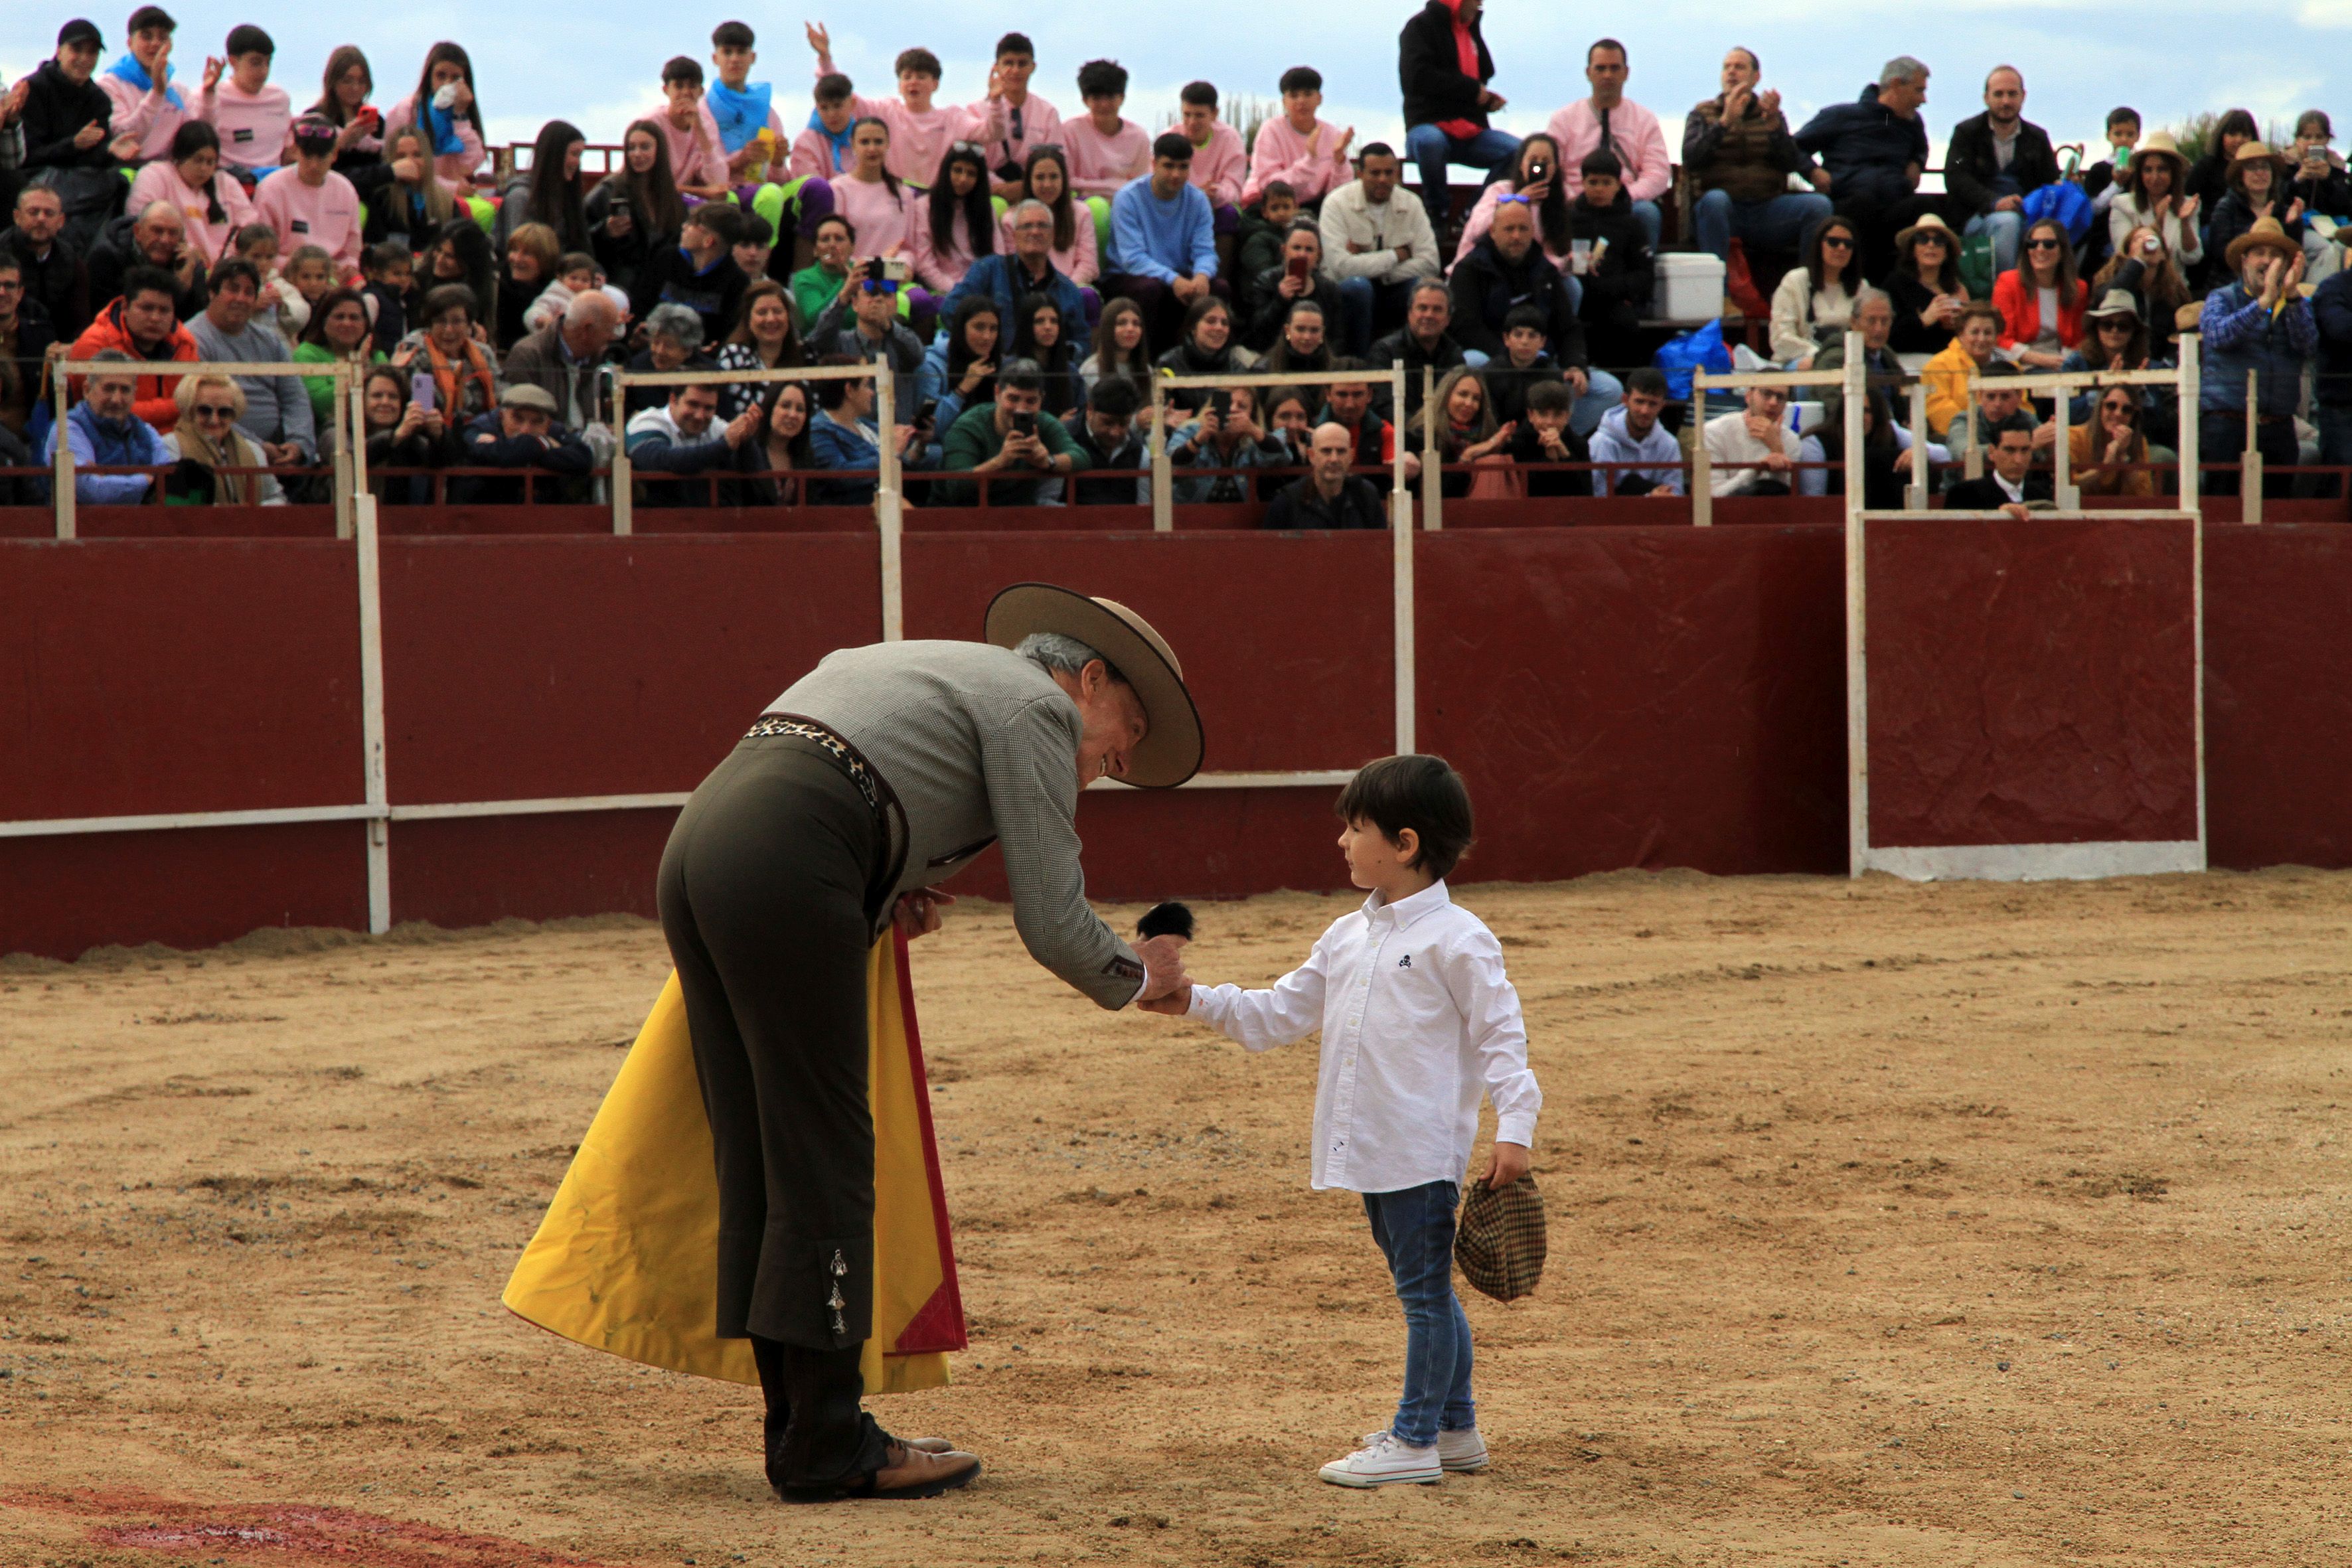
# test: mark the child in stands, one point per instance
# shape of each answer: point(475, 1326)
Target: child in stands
point(1418, 1021)
point(254, 119)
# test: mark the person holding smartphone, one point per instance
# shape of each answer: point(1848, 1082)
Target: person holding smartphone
point(1009, 445)
point(1297, 276)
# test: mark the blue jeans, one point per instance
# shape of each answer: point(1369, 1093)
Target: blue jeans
point(2007, 229)
point(1777, 222)
point(1415, 1230)
point(1430, 150)
point(1646, 213)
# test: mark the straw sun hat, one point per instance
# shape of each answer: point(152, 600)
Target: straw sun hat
point(1171, 751)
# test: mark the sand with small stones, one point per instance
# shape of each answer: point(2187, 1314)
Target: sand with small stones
point(1947, 1225)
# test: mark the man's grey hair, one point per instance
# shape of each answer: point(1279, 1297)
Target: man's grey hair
point(1051, 651)
point(1902, 67)
point(676, 321)
point(1021, 375)
point(1025, 207)
point(112, 356)
point(1868, 295)
point(160, 206)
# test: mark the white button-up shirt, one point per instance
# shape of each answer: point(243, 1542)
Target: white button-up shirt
point(1418, 1021)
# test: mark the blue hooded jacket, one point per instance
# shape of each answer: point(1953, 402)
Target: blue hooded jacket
point(1866, 148)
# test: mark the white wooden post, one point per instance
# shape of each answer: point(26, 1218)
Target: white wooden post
point(1401, 581)
point(1432, 453)
point(2191, 480)
point(2250, 477)
point(624, 501)
point(353, 431)
point(342, 395)
point(889, 505)
point(1915, 495)
point(372, 757)
point(1857, 683)
point(2063, 489)
point(1702, 485)
point(1164, 498)
point(61, 468)
point(1972, 465)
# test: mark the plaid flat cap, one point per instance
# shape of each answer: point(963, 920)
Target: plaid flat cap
point(1499, 1239)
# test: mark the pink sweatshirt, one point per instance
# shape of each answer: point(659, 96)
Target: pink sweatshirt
point(881, 220)
point(1218, 169)
point(936, 269)
point(253, 128)
point(918, 142)
point(1281, 154)
point(456, 168)
point(812, 154)
point(697, 156)
point(1079, 263)
point(992, 120)
point(1634, 132)
point(159, 182)
point(1100, 164)
point(149, 116)
point(327, 216)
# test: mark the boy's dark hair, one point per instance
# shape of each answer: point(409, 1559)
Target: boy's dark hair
point(1550, 397)
point(722, 220)
point(1648, 380)
point(2020, 422)
point(1997, 370)
point(254, 234)
point(580, 261)
point(1601, 161)
point(1102, 78)
point(1117, 397)
point(922, 62)
point(1203, 94)
point(385, 255)
point(834, 88)
point(1526, 316)
point(750, 229)
point(1302, 79)
point(1420, 791)
point(1173, 145)
point(245, 38)
point(2122, 114)
point(148, 16)
point(150, 280)
point(235, 268)
point(1275, 188)
point(732, 35)
point(1014, 44)
point(1020, 376)
point(681, 68)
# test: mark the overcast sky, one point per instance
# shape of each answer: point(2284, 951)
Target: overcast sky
point(598, 65)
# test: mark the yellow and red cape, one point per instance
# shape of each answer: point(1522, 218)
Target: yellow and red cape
point(626, 1260)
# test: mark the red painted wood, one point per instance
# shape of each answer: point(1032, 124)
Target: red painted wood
point(2278, 695)
point(183, 888)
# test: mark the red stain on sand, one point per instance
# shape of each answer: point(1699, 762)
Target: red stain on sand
point(262, 1535)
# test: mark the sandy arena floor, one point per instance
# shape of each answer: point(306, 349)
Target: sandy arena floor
point(1946, 1225)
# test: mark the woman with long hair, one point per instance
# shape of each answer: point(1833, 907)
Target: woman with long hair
point(2152, 192)
point(1225, 434)
point(402, 434)
point(549, 191)
point(2101, 450)
point(2145, 269)
point(1305, 345)
point(1536, 174)
point(2115, 338)
point(765, 337)
point(1926, 286)
point(1816, 299)
point(1297, 280)
point(413, 204)
point(1207, 346)
point(1039, 334)
point(959, 223)
point(2040, 300)
point(344, 94)
point(784, 445)
point(881, 211)
point(1122, 348)
point(2208, 181)
point(338, 331)
point(461, 253)
point(444, 107)
point(213, 205)
point(1467, 435)
point(2259, 187)
point(961, 372)
point(637, 207)
point(1046, 173)
point(532, 256)
point(207, 435)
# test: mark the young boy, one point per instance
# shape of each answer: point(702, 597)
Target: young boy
point(755, 242)
point(310, 203)
point(389, 270)
point(822, 149)
point(1619, 276)
point(1259, 237)
point(2123, 135)
point(695, 162)
point(1418, 1018)
point(1012, 120)
point(1524, 362)
point(920, 133)
point(1297, 148)
point(1543, 436)
point(751, 132)
point(698, 272)
point(253, 118)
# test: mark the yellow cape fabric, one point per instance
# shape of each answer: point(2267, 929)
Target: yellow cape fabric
point(626, 1260)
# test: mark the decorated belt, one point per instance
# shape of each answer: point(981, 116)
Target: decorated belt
point(861, 773)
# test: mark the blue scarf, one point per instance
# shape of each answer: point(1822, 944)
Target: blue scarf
point(740, 116)
point(840, 141)
point(128, 69)
point(442, 126)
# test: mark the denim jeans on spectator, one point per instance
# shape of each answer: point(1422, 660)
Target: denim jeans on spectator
point(1778, 224)
point(2007, 229)
point(1371, 308)
point(1415, 1230)
point(1653, 222)
point(1430, 150)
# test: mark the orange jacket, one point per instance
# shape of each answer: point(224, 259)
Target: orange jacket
point(2020, 304)
point(152, 401)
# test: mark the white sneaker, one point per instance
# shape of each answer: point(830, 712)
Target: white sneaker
point(1383, 1461)
point(1461, 1451)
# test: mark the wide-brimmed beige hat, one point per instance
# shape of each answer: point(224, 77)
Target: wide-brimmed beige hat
point(1929, 224)
point(2269, 234)
point(2115, 303)
point(2262, 153)
point(1171, 751)
point(2160, 145)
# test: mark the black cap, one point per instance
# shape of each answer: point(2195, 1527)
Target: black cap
point(80, 30)
point(148, 16)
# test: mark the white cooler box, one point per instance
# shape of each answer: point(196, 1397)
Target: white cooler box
point(1690, 286)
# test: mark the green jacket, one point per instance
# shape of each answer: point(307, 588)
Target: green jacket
point(972, 440)
point(813, 288)
point(321, 388)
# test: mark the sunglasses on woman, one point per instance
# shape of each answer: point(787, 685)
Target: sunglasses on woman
point(211, 411)
point(2042, 244)
point(1837, 242)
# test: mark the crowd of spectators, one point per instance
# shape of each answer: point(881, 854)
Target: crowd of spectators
point(1027, 276)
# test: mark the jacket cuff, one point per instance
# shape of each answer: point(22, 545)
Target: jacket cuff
point(1519, 1127)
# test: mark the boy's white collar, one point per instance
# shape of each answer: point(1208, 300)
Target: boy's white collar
point(1406, 910)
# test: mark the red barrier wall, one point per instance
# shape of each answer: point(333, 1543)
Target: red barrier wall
point(2032, 682)
point(2278, 695)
